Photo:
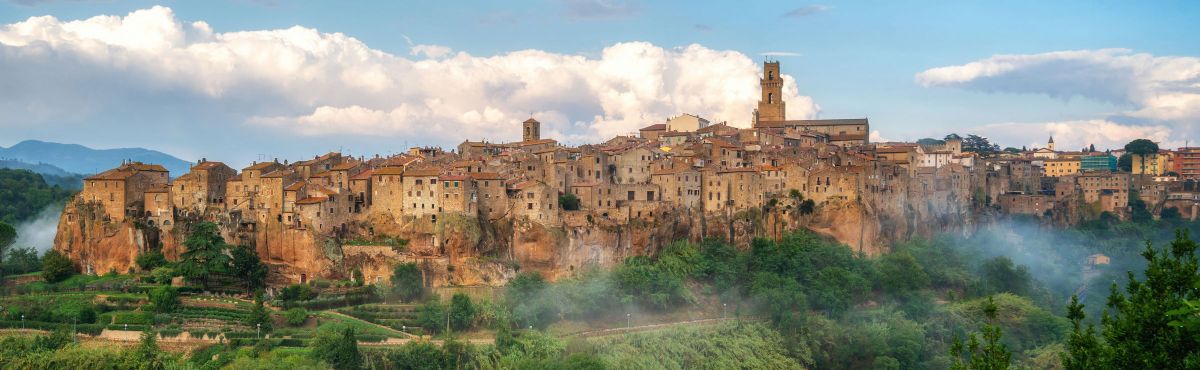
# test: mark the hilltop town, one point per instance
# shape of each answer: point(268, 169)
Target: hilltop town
point(474, 214)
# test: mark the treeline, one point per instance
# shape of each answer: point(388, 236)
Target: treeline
point(24, 193)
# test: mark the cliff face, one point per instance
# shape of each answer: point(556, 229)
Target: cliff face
point(97, 246)
point(465, 251)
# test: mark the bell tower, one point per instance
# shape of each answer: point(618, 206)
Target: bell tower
point(531, 130)
point(770, 106)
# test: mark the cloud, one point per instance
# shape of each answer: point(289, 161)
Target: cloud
point(1159, 88)
point(702, 27)
point(148, 73)
point(1157, 95)
point(807, 10)
point(780, 54)
point(598, 9)
point(876, 137)
point(1076, 134)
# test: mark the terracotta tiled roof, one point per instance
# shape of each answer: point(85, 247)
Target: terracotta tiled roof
point(147, 167)
point(113, 174)
point(453, 177)
point(311, 200)
point(260, 166)
point(813, 122)
point(486, 176)
point(386, 171)
point(278, 174)
point(537, 142)
point(345, 166)
point(655, 127)
point(296, 186)
point(207, 165)
point(365, 175)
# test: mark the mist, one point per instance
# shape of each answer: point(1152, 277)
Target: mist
point(39, 231)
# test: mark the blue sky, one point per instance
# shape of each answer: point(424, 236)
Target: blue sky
point(853, 59)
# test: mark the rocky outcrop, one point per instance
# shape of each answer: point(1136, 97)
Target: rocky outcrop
point(465, 251)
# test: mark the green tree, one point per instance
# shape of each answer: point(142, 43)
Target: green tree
point(990, 354)
point(1139, 329)
point(568, 202)
point(249, 268)
point(149, 260)
point(296, 316)
point(807, 206)
point(462, 312)
point(164, 298)
point(1142, 147)
point(1000, 274)
point(146, 356)
point(1125, 162)
point(8, 235)
point(903, 273)
point(980, 145)
point(56, 267)
point(205, 254)
point(1170, 213)
point(22, 260)
point(432, 317)
point(24, 193)
point(1085, 348)
point(407, 281)
point(259, 317)
point(337, 346)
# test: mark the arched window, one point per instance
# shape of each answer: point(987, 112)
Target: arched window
point(770, 75)
point(770, 98)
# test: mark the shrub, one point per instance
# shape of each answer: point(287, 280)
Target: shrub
point(407, 282)
point(296, 316)
point(164, 298)
point(56, 267)
point(149, 260)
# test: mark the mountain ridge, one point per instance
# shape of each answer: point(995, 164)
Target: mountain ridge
point(80, 159)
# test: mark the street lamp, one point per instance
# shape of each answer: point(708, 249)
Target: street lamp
point(258, 329)
point(628, 317)
point(22, 322)
point(723, 307)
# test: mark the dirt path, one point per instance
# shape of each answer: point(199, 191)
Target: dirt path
point(385, 328)
point(649, 327)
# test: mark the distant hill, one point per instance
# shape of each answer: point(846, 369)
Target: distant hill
point(80, 159)
point(53, 176)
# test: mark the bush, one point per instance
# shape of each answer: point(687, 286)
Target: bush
point(407, 282)
point(568, 202)
point(297, 292)
point(296, 316)
point(149, 260)
point(56, 267)
point(164, 298)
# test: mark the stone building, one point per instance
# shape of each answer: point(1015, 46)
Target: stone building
point(685, 123)
point(771, 107)
point(121, 191)
point(202, 187)
point(388, 191)
point(157, 205)
point(421, 193)
point(1059, 167)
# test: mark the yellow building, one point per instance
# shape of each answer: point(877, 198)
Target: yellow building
point(1157, 164)
point(1065, 166)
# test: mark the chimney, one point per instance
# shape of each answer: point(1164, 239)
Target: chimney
point(276, 160)
point(285, 162)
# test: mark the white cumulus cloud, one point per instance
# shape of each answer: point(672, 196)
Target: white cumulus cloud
point(304, 83)
point(1157, 95)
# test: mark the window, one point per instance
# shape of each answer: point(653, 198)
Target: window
point(770, 98)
